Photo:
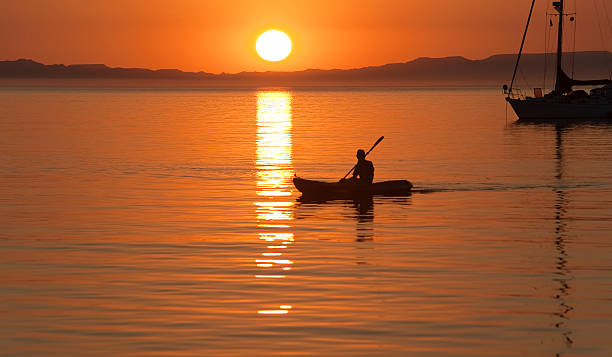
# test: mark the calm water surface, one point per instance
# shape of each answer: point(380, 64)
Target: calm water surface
point(164, 223)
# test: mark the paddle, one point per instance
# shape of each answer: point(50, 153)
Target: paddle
point(372, 148)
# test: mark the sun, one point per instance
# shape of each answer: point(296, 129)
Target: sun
point(273, 45)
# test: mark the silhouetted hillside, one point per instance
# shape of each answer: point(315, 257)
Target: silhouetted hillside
point(25, 68)
point(449, 70)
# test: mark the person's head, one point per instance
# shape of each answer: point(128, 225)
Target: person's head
point(360, 154)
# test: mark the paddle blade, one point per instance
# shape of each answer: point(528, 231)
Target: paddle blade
point(376, 143)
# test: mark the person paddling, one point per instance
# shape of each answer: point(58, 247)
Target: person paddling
point(364, 170)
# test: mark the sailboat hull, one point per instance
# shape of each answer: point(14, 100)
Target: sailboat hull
point(541, 109)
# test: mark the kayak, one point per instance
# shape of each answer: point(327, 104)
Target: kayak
point(351, 189)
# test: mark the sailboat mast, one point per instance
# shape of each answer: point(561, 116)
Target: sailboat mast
point(559, 6)
point(518, 58)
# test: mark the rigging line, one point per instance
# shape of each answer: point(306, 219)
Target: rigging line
point(552, 44)
point(548, 48)
point(574, 45)
point(545, 49)
point(607, 16)
point(522, 44)
point(601, 34)
point(610, 30)
point(548, 43)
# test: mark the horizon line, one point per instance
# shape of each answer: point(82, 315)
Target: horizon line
point(297, 70)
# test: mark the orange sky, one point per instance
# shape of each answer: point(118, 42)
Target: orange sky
point(219, 36)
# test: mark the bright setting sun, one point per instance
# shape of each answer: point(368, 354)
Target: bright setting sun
point(273, 45)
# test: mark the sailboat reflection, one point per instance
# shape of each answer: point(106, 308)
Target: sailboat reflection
point(562, 271)
point(274, 173)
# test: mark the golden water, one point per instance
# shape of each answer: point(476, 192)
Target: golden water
point(164, 223)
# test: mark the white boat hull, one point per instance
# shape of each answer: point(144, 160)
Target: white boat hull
point(535, 109)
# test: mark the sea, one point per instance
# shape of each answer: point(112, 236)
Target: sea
point(164, 222)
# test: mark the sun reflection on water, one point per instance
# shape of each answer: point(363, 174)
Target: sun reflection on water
point(274, 173)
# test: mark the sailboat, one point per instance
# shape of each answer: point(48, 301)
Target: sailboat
point(563, 102)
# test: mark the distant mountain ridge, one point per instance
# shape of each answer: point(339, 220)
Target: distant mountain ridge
point(447, 70)
point(26, 68)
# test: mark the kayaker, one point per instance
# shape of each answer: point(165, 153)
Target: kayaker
point(364, 170)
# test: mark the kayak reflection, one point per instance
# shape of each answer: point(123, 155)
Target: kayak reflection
point(360, 209)
point(365, 219)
